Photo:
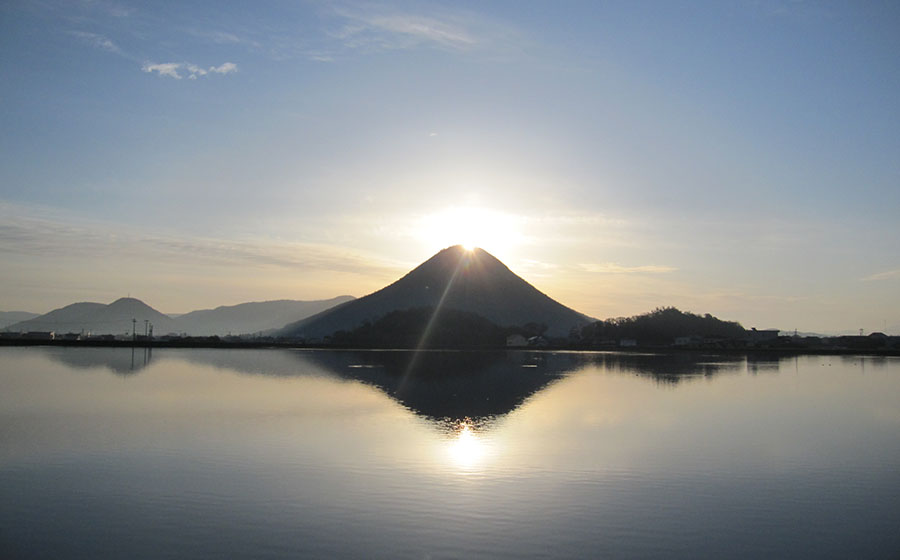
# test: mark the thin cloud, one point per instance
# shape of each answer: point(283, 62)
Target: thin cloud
point(98, 41)
point(113, 9)
point(53, 237)
point(615, 268)
point(224, 38)
point(179, 70)
point(376, 29)
point(886, 275)
point(424, 29)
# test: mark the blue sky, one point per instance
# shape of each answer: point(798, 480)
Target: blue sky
point(737, 158)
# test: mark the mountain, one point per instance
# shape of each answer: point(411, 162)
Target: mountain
point(455, 278)
point(253, 317)
point(98, 318)
point(115, 318)
point(12, 317)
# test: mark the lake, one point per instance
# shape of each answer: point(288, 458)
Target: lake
point(121, 453)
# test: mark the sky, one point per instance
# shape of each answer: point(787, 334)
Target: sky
point(733, 157)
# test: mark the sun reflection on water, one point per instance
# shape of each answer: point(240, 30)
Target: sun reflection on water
point(467, 450)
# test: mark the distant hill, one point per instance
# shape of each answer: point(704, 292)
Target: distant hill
point(455, 278)
point(116, 318)
point(254, 317)
point(98, 318)
point(662, 326)
point(12, 317)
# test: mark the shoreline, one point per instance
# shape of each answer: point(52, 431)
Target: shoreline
point(275, 345)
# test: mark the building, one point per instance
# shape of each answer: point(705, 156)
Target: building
point(765, 336)
point(516, 341)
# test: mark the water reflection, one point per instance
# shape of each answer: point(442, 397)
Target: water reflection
point(120, 361)
point(274, 454)
point(670, 369)
point(453, 389)
point(466, 448)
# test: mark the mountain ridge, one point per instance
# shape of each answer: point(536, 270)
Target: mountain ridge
point(116, 317)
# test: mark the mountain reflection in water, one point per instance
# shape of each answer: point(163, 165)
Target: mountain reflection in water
point(453, 388)
point(349, 454)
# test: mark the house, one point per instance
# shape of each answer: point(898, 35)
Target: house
point(516, 341)
point(755, 337)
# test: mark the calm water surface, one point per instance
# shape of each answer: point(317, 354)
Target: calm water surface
point(114, 453)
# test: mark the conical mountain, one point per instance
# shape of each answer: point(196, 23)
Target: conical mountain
point(455, 278)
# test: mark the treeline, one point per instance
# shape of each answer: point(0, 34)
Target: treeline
point(451, 328)
point(421, 327)
point(661, 327)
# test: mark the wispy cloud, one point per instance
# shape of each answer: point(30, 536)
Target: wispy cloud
point(396, 30)
point(224, 37)
point(25, 233)
point(886, 275)
point(98, 41)
point(375, 28)
point(179, 70)
point(112, 9)
point(615, 268)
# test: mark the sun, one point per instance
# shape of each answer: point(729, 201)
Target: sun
point(472, 227)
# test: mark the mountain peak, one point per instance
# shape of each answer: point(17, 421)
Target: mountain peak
point(128, 301)
point(470, 280)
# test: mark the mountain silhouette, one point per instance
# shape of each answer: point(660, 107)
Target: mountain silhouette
point(455, 278)
point(252, 317)
point(12, 317)
point(115, 318)
point(99, 318)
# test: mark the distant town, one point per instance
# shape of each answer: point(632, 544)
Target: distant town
point(767, 339)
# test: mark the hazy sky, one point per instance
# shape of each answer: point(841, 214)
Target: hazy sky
point(740, 158)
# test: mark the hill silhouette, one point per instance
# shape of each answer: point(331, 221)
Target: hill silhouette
point(12, 317)
point(115, 318)
point(662, 326)
point(99, 318)
point(252, 317)
point(455, 278)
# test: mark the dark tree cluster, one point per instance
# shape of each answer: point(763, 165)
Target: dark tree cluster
point(422, 327)
point(661, 327)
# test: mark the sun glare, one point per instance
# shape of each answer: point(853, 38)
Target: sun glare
point(470, 227)
point(467, 450)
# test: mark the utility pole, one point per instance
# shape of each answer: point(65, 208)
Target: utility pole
point(146, 322)
point(133, 329)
